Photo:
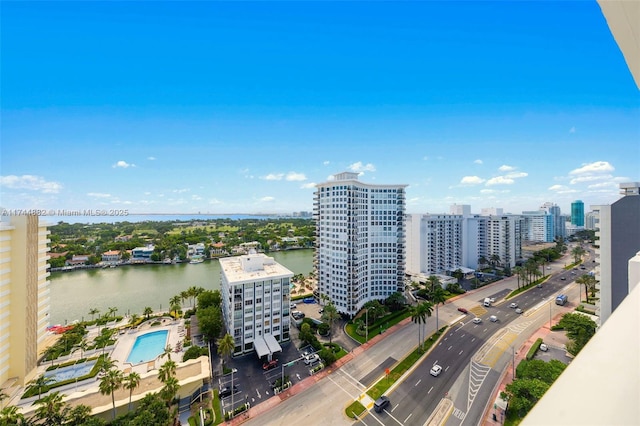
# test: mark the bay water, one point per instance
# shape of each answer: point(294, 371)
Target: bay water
point(131, 288)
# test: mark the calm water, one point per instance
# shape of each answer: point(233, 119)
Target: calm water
point(132, 288)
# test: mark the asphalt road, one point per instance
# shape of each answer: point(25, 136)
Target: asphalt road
point(467, 378)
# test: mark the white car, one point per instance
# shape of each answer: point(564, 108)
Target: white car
point(513, 305)
point(477, 320)
point(493, 318)
point(518, 311)
point(310, 359)
point(435, 370)
point(544, 347)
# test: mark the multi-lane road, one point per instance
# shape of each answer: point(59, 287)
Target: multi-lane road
point(472, 357)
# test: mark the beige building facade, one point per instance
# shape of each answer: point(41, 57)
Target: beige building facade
point(24, 298)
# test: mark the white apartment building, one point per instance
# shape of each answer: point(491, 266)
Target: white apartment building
point(24, 299)
point(504, 239)
point(434, 243)
point(255, 302)
point(537, 226)
point(618, 241)
point(360, 241)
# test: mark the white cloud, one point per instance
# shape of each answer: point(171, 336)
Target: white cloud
point(589, 178)
point(293, 176)
point(359, 167)
point(488, 191)
point(425, 158)
point(478, 161)
point(195, 197)
point(500, 180)
point(561, 189)
point(34, 183)
point(267, 199)
point(505, 168)
point(309, 185)
point(326, 163)
point(273, 176)
point(123, 164)
point(516, 175)
point(609, 184)
point(98, 195)
point(595, 167)
point(151, 158)
point(572, 129)
point(180, 191)
point(471, 180)
point(215, 201)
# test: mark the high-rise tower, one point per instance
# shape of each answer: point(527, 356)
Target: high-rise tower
point(577, 213)
point(360, 241)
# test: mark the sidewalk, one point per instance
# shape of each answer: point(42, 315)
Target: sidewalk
point(506, 377)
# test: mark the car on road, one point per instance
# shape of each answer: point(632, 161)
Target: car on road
point(539, 286)
point(311, 359)
point(477, 320)
point(463, 310)
point(544, 347)
point(292, 305)
point(563, 278)
point(226, 391)
point(493, 318)
point(435, 370)
point(270, 364)
point(513, 305)
point(381, 403)
point(518, 311)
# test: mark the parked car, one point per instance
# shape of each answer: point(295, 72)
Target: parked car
point(321, 310)
point(463, 310)
point(436, 370)
point(311, 359)
point(270, 364)
point(292, 305)
point(381, 403)
point(513, 305)
point(563, 278)
point(477, 320)
point(544, 347)
point(539, 286)
point(226, 391)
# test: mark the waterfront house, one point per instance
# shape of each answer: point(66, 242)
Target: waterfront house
point(77, 259)
point(111, 256)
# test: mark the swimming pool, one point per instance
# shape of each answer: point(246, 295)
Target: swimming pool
point(148, 346)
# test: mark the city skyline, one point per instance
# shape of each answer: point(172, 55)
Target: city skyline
point(216, 107)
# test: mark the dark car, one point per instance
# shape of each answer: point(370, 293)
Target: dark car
point(270, 364)
point(381, 403)
point(226, 391)
point(463, 310)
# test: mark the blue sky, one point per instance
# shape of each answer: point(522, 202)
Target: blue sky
point(239, 107)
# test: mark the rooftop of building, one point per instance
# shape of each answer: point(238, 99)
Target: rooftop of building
point(252, 267)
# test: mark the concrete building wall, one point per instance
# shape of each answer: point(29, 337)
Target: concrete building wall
point(24, 297)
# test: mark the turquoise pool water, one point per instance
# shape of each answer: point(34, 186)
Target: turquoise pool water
point(148, 346)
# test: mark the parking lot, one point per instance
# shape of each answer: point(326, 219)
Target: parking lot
point(254, 384)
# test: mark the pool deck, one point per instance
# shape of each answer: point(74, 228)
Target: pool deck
point(125, 342)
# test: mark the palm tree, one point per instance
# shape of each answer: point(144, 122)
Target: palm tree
point(170, 389)
point(168, 369)
point(82, 346)
point(147, 311)
point(93, 312)
point(107, 364)
point(167, 352)
point(437, 296)
point(433, 281)
point(518, 272)
point(587, 281)
point(11, 416)
point(112, 311)
point(418, 317)
point(50, 353)
point(226, 346)
point(79, 415)
point(175, 301)
point(101, 341)
point(134, 319)
point(330, 315)
point(52, 411)
point(41, 383)
point(109, 384)
point(130, 382)
point(426, 309)
point(482, 260)
point(577, 253)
